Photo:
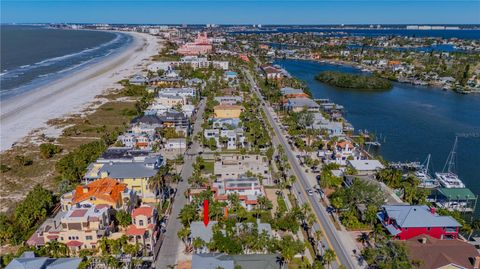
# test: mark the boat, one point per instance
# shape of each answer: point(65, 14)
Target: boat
point(426, 180)
point(448, 178)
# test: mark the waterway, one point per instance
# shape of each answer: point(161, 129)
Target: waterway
point(414, 121)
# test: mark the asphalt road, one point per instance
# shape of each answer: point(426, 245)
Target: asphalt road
point(300, 186)
point(170, 245)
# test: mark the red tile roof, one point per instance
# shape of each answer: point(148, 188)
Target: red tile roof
point(106, 189)
point(36, 240)
point(74, 243)
point(133, 230)
point(144, 210)
point(436, 253)
point(77, 213)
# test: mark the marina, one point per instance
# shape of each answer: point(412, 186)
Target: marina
point(414, 128)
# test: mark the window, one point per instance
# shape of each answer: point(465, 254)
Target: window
point(140, 222)
point(88, 237)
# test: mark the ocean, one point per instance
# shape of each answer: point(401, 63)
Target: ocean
point(33, 56)
point(414, 121)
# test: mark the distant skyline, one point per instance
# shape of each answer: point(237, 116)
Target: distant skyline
point(242, 12)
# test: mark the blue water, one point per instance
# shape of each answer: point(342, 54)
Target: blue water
point(462, 34)
point(416, 121)
point(441, 47)
point(33, 56)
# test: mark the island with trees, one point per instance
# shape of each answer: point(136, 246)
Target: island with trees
point(353, 81)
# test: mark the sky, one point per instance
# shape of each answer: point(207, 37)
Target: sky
point(242, 12)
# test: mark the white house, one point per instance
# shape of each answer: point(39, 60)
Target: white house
point(365, 167)
point(176, 144)
point(154, 67)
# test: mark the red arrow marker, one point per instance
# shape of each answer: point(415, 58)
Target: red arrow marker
point(205, 213)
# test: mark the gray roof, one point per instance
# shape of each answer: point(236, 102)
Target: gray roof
point(123, 153)
point(302, 102)
point(126, 170)
point(418, 216)
point(261, 227)
point(148, 119)
point(65, 263)
point(28, 261)
point(211, 261)
point(198, 229)
point(257, 261)
point(253, 261)
point(290, 90)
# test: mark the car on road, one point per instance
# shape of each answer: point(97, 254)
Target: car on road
point(330, 209)
point(310, 192)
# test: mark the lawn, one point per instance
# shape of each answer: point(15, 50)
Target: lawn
point(208, 169)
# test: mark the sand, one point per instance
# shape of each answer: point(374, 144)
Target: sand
point(23, 114)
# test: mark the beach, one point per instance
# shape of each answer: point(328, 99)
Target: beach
point(23, 114)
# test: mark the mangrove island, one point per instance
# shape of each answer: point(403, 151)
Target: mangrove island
point(353, 81)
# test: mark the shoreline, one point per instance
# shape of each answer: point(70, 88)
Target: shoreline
point(57, 75)
point(25, 113)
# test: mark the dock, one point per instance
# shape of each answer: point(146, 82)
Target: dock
point(406, 165)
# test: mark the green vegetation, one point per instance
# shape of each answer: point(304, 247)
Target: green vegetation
point(387, 255)
point(23, 160)
point(409, 185)
point(123, 218)
point(48, 150)
point(353, 81)
point(73, 165)
point(255, 132)
point(16, 228)
point(348, 200)
point(327, 179)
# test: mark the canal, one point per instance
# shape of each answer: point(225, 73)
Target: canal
point(414, 121)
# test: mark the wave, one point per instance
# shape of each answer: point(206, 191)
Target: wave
point(22, 80)
point(76, 66)
point(14, 73)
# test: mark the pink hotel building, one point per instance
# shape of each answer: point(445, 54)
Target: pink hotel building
point(201, 45)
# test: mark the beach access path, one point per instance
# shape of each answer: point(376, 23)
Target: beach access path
point(25, 113)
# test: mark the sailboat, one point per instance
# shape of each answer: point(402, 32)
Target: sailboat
point(426, 180)
point(447, 177)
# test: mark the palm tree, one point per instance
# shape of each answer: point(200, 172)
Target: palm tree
point(188, 214)
point(363, 238)
point(329, 257)
point(318, 237)
point(103, 244)
point(264, 203)
point(157, 182)
point(377, 232)
point(290, 182)
point(198, 243)
point(56, 249)
point(183, 235)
